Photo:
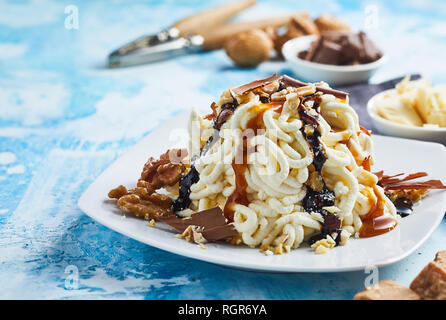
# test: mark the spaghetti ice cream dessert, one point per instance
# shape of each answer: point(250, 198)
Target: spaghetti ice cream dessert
point(290, 163)
point(277, 163)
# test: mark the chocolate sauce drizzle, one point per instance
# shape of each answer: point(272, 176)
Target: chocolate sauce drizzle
point(314, 201)
point(313, 139)
point(226, 110)
point(404, 206)
point(183, 200)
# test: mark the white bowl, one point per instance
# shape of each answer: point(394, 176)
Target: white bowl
point(391, 128)
point(315, 72)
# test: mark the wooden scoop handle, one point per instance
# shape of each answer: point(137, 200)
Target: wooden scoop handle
point(215, 38)
point(209, 19)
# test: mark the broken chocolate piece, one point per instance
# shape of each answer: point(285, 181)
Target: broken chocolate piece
point(206, 219)
point(219, 232)
point(314, 49)
point(328, 53)
point(212, 223)
point(369, 52)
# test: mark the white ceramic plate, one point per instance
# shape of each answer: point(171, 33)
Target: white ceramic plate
point(393, 155)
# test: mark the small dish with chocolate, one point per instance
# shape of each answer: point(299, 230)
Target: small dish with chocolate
point(339, 57)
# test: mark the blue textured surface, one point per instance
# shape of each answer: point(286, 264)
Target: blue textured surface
point(64, 118)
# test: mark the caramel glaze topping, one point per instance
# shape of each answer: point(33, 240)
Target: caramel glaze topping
point(374, 222)
point(239, 195)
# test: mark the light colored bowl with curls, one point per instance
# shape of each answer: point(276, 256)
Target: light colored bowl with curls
point(391, 128)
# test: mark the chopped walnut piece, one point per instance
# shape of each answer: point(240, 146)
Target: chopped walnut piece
point(170, 173)
point(160, 200)
point(271, 87)
point(143, 193)
point(299, 25)
point(145, 209)
point(235, 240)
point(193, 234)
point(324, 245)
point(117, 192)
point(279, 95)
point(165, 171)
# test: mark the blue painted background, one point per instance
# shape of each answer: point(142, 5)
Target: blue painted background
point(64, 118)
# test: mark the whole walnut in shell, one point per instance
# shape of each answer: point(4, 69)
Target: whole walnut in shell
point(299, 25)
point(249, 48)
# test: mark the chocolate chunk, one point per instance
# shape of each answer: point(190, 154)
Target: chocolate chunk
point(370, 52)
point(206, 219)
point(219, 232)
point(212, 221)
point(328, 53)
point(351, 48)
point(314, 49)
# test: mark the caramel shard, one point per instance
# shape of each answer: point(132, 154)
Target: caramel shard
point(387, 290)
point(430, 283)
point(296, 83)
point(255, 84)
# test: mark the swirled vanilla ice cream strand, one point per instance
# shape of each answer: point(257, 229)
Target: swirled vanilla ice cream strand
point(287, 162)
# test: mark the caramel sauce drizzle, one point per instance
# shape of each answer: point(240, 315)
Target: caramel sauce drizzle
point(374, 222)
point(239, 195)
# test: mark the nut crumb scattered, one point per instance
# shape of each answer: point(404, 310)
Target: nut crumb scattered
point(152, 223)
point(324, 245)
